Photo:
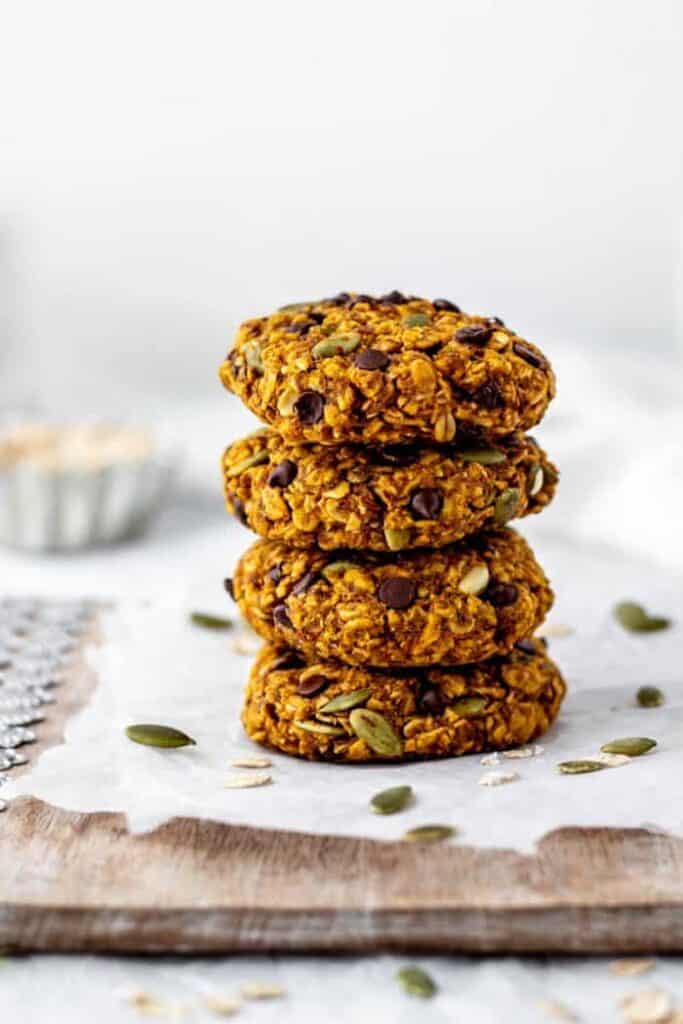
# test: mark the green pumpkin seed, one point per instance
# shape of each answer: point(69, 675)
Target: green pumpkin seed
point(210, 621)
point(580, 767)
point(319, 727)
point(396, 539)
point(291, 306)
point(416, 982)
point(506, 506)
point(632, 746)
point(159, 736)
point(251, 460)
point(475, 581)
point(535, 480)
point(416, 320)
point(346, 701)
point(337, 568)
point(650, 697)
point(376, 732)
point(633, 617)
point(335, 345)
point(484, 456)
point(389, 801)
point(252, 355)
point(469, 707)
point(429, 833)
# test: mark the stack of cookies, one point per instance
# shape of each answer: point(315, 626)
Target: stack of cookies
point(398, 608)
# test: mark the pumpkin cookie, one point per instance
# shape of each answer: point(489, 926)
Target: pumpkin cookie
point(385, 371)
point(457, 604)
point(340, 713)
point(383, 499)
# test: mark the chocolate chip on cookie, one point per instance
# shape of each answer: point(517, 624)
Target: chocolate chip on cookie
point(283, 474)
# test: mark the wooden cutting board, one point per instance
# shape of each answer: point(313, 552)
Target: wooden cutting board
point(82, 882)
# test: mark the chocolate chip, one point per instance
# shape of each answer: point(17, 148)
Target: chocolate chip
point(239, 510)
point(397, 592)
point(425, 503)
point(497, 321)
point(299, 328)
point(529, 356)
point(317, 318)
point(501, 594)
point(283, 474)
point(430, 699)
point(398, 454)
point(309, 687)
point(339, 300)
point(393, 297)
point(290, 659)
point(446, 305)
point(474, 334)
point(305, 583)
point(280, 616)
point(544, 640)
point(309, 407)
point(355, 299)
point(371, 359)
point(275, 574)
point(488, 397)
point(526, 646)
point(227, 583)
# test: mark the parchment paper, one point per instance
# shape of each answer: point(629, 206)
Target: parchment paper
point(154, 666)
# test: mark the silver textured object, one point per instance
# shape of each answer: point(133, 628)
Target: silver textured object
point(55, 507)
point(42, 635)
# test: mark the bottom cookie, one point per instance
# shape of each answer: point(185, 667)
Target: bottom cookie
point(335, 712)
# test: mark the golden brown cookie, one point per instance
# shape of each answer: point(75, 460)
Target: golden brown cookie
point(383, 499)
point(386, 371)
point(450, 606)
point(339, 713)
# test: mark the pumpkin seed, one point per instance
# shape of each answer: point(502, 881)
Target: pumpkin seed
point(483, 456)
point(337, 568)
point(252, 355)
point(535, 480)
point(251, 460)
point(416, 982)
point(650, 697)
point(293, 306)
point(579, 767)
point(632, 746)
point(469, 707)
point(159, 736)
point(319, 727)
point(374, 729)
point(416, 320)
point(396, 539)
point(506, 506)
point(633, 617)
point(346, 701)
point(429, 833)
point(336, 344)
point(210, 621)
point(389, 801)
point(476, 580)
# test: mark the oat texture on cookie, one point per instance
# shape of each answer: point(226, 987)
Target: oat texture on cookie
point(397, 606)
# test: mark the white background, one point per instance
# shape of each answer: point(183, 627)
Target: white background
point(168, 168)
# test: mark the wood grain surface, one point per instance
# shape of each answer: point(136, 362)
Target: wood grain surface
point(82, 882)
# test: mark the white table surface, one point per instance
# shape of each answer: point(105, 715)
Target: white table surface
point(193, 545)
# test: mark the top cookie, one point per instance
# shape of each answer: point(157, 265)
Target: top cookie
point(386, 370)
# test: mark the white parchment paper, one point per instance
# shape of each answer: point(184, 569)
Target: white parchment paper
point(154, 666)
